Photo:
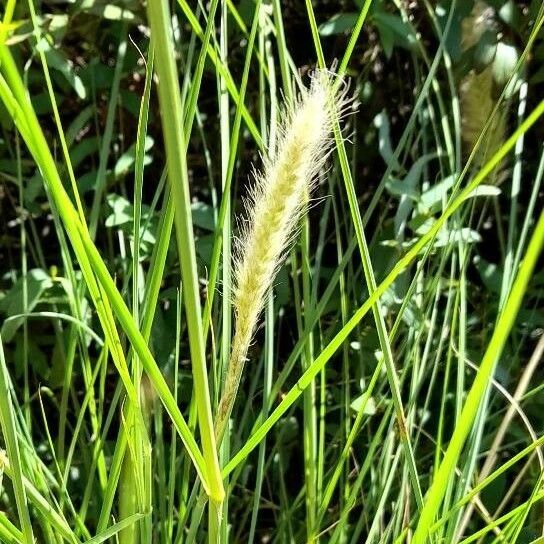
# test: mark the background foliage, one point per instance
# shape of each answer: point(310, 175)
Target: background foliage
point(426, 79)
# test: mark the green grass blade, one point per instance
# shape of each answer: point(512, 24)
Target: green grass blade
point(472, 402)
point(9, 433)
point(170, 103)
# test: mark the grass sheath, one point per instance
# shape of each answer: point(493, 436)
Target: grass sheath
point(276, 203)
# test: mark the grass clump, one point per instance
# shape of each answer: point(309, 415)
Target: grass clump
point(394, 329)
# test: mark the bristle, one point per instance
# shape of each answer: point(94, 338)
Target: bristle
point(275, 206)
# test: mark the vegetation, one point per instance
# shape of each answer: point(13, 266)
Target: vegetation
point(271, 271)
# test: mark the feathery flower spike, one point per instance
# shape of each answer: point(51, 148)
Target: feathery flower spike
point(275, 206)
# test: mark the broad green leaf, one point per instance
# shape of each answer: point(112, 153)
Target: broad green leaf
point(437, 194)
point(203, 216)
point(57, 60)
point(338, 24)
point(37, 282)
point(381, 122)
point(125, 163)
point(393, 31)
point(369, 407)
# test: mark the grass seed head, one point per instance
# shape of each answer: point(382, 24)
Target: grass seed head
point(277, 201)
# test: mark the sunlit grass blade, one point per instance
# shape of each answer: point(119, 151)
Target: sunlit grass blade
point(494, 350)
point(170, 102)
point(9, 433)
